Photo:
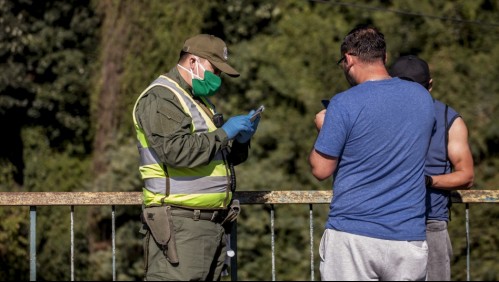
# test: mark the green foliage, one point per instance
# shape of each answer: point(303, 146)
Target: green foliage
point(484, 242)
point(129, 245)
point(14, 245)
point(54, 59)
point(59, 172)
point(45, 51)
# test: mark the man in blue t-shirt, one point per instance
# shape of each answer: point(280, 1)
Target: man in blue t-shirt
point(373, 140)
point(449, 166)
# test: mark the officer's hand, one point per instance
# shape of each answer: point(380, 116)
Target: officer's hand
point(237, 124)
point(245, 136)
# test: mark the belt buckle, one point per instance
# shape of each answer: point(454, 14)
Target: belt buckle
point(197, 213)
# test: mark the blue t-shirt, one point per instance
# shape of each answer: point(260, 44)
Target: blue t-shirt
point(437, 200)
point(380, 131)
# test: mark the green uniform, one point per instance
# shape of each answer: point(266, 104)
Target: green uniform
point(185, 163)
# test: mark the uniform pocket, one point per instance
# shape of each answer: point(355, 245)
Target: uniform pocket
point(167, 113)
point(168, 119)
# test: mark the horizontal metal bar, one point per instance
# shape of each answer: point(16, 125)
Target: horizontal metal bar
point(475, 196)
point(245, 197)
point(70, 198)
point(284, 197)
point(324, 197)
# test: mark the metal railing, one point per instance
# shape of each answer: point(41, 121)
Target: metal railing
point(113, 199)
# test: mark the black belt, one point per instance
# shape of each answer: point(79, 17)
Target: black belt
point(215, 216)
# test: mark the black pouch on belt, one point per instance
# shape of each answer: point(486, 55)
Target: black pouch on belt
point(159, 221)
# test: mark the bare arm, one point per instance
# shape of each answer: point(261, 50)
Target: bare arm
point(460, 157)
point(322, 166)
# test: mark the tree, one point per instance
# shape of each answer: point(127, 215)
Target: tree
point(46, 48)
point(70, 74)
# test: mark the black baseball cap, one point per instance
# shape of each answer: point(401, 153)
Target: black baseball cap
point(412, 68)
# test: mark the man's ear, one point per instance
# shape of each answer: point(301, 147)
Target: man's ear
point(348, 59)
point(430, 84)
point(192, 61)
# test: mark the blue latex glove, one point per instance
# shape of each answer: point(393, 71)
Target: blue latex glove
point(245, 136)
point(237, 124)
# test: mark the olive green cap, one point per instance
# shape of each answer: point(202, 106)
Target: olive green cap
point(211, 48)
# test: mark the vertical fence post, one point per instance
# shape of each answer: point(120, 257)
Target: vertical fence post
point(312, 274)
point(467, 243)
point(233, 246)
point(113, 239)
point(32, 243)
point(72, 244)
point(272, 240)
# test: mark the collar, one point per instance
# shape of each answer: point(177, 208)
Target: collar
point(175, 75)
point(379, 78)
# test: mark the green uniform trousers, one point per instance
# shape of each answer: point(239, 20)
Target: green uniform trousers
point(201, 248)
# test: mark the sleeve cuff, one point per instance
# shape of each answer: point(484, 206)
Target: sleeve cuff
point(221, 136)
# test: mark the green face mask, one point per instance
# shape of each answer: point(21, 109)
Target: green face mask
point(207, 86)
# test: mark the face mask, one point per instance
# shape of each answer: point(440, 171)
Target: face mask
point(207, 86)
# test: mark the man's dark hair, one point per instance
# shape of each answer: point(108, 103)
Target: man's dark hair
point(182, 56)
point(365, 42)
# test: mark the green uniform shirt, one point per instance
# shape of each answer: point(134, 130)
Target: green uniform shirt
point(167, 129)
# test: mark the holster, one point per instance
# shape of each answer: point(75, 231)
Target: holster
point(159, 221)
point(233, 212)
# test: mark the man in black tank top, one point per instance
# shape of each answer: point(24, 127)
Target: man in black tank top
point(449, 166)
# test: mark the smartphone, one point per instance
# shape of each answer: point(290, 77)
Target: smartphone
point(257, 113)
point(325, 103)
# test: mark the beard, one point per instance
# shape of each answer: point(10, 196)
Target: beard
point(349, 78)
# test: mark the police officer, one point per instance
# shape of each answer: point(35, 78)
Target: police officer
point(186, 159)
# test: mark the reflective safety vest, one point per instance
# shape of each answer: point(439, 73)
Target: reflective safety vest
point(201, 187)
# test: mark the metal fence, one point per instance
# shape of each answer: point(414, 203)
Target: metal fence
point(113, 199)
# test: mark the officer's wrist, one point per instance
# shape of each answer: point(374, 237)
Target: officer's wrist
point(428, 180)
point(221, 136)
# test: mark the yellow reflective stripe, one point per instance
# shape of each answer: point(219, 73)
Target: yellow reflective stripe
point(185, 99)
point(137, 102)
point(151, 171)
point(207, 201)
point(175, 91)
point(141, 136)
point(219, 170)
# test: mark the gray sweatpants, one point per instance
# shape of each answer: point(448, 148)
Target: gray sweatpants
point(440, 251)
point(349, 257)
